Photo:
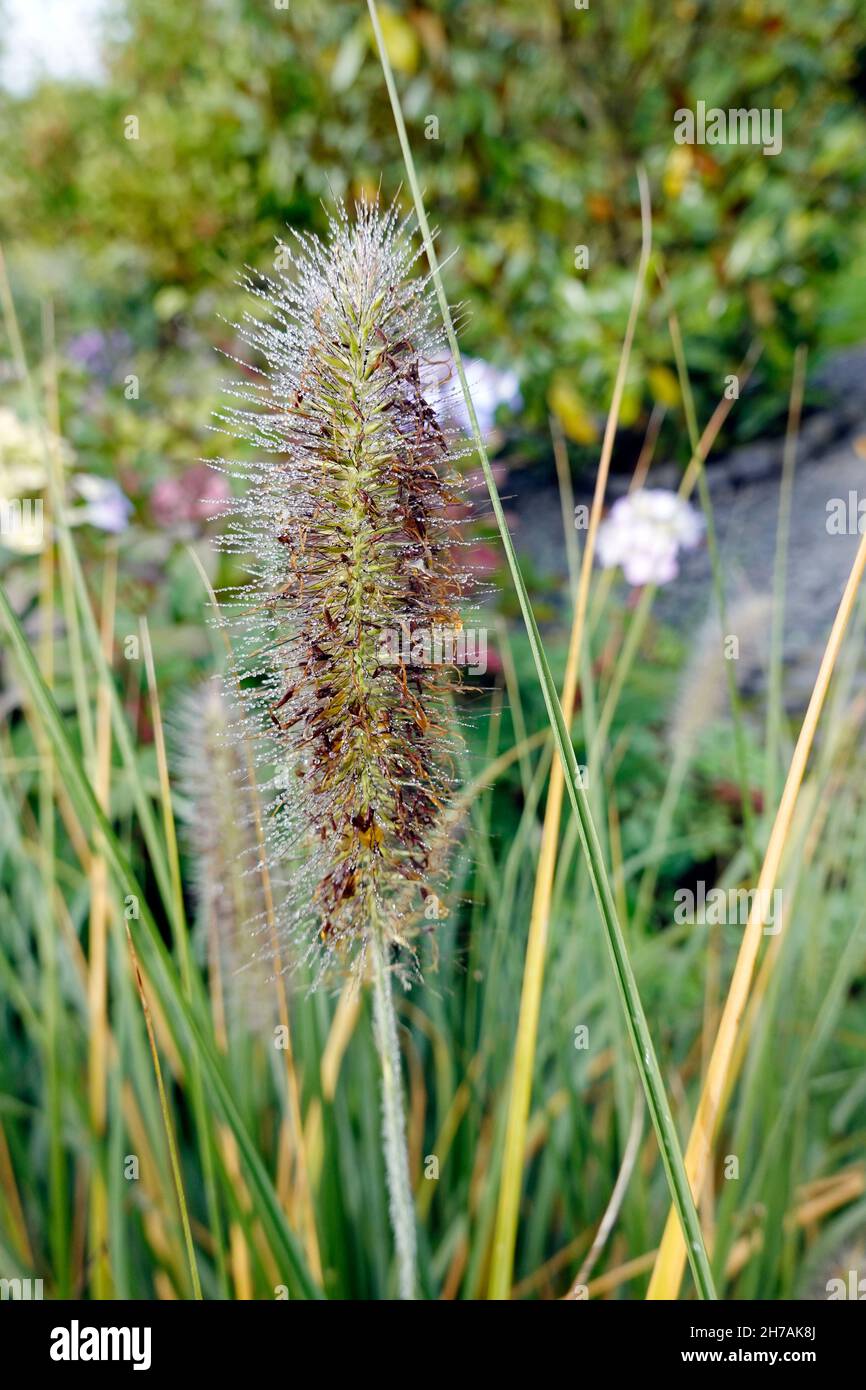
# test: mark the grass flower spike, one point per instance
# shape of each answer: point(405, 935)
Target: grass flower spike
point(348, 514)
point(348, 518)
point(221, 837)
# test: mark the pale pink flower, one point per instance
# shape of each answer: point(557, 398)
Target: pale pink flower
point(644, 532)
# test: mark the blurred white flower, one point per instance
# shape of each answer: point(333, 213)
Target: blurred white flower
point(22, 457)
point(490, 388)
point(644, 531)
point(24, 450)
point(23, 478)
point(22, 525)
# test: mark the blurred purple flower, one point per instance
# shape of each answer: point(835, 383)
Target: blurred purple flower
point(489, 386)
point(106, 506)
point(98, 352)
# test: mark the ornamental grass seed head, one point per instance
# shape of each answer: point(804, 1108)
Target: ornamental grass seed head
point(220, 815)
point(348, 515)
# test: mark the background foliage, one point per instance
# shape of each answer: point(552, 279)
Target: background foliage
point(251, 116)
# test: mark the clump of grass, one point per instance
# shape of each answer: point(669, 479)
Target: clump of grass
point(201, 1117)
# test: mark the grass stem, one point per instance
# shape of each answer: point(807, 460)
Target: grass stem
point(393, 1119)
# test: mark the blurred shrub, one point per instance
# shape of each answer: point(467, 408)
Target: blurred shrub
point(250, 115)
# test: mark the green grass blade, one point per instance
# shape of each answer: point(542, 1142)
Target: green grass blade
point(775, 703)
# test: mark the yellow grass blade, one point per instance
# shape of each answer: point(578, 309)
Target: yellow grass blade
point(166, 1119)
